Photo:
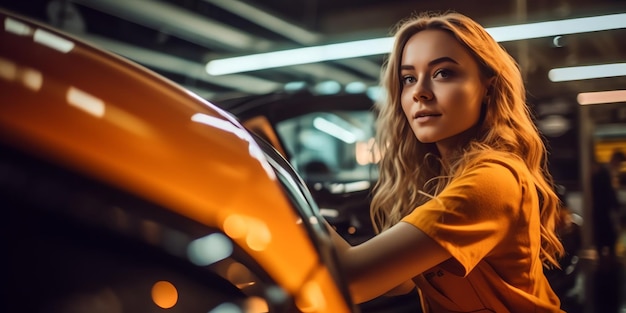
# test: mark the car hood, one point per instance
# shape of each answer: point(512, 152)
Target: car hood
point(108, 118)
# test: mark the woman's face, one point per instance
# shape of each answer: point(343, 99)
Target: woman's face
point(442, 89)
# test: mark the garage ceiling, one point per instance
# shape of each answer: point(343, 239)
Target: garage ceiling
point(177, 37)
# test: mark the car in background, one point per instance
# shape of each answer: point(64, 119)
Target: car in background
point(328, 139)
point(123, 192)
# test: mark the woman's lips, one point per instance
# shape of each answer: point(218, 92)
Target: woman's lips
point(425, 117)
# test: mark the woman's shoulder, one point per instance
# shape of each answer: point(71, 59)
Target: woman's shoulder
point(490, 180)
point(496, 158)
point(495, 169)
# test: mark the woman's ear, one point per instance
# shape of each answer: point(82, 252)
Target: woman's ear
point(489, 86)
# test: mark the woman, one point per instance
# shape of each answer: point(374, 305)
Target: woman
point(464, 207)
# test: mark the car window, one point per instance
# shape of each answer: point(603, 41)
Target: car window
point(76, 245)
point(333, 146)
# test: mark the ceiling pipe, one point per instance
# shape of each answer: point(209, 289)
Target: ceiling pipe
point(268, 21)
point(196, 28)
point(175, 21)
point(180, 66)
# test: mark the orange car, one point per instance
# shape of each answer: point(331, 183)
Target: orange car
point(124, 192)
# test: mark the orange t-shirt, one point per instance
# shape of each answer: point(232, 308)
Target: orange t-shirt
point(488, 219)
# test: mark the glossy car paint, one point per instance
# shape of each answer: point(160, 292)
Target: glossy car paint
point(112, 120)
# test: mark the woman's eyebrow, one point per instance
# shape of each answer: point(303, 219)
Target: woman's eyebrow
point(442, 60)
point(431, 63)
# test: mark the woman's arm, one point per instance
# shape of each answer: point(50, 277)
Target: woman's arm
point(388, 261)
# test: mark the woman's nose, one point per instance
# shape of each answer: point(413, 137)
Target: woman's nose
point(422, 93)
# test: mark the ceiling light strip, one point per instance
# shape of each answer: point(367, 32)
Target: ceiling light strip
point(587, 72)
point(383, 45)
point(334, 130)
point(555, 28)
point(314, 54)
point(600, 97)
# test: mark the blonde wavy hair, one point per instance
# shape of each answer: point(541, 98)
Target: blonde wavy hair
point(412, 173)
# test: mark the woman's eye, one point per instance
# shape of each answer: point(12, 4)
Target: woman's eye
point(408, 80)
point(443, 73)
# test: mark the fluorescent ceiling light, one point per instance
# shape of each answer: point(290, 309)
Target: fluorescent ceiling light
point(334, 130)
point(329, 87)
point(587, 72)
point(555, 28)
point(356, 87)
point(383, 45)
point(600, 97)
point(314, 54)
